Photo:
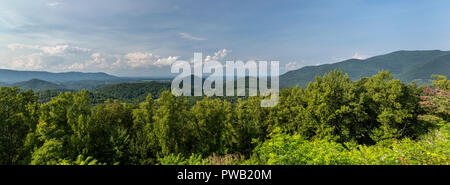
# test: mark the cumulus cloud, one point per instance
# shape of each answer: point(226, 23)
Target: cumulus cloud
point(358, 56)
point(66, 57)
point(56, 50)
point(73, 58)
point(190, 37)
point(219, 55)
point(138, 59)
point(143, 60)
point(38, 57)
point(97, 61)
point(166, 61)
point(128, 62)
point(29, 62)
point(292, 66)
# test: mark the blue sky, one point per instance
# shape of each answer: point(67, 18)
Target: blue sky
point(142, 38)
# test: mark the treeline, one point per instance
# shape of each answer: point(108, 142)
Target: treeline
point(124, 92)
point(376, 120)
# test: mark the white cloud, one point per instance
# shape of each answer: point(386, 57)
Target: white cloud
point(53, 4)
point(145, 60)
point(166, 61)
point(219, 55)
point(97, 61)
point(358, 56)
point(138, 59)
point(28, 62)
point(292, 66)
point(130, 61)
point(65, 57)
point(37, 57)
point(56, 50)
point(190, 37)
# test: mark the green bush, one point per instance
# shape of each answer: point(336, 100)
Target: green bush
point(179, 159)
point(285, 149)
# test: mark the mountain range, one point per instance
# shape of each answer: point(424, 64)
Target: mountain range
point(12, 76)
point(408, 66)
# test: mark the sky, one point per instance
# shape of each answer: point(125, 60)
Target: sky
point(143, 37)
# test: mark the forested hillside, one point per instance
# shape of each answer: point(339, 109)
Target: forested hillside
point(134, 92)
point(408, 66)
point(38, 85)
point(334, 120)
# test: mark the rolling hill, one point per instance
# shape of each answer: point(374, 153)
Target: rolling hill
point(37, 85)
point(134, 92)
point(407, 66)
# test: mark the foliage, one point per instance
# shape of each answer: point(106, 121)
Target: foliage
point(366, 111)
point(18, 118)
point(285, 149)
point(441, 82)
point(80, 161)
point(49, 153)
point(134, 92)
point(334, 120)
point(178, 159)
point(407, 66)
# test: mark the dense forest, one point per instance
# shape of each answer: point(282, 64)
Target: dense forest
point(334, 120)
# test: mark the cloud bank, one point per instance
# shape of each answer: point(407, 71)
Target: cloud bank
point(67, 57)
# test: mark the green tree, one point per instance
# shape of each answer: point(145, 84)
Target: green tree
point(392, 107)
point(18, 117)
point(171, 120)
point(144, 143)
point(441, 82)
point(50, 153)
point(330, 108)
point(110, 127)
point(250, 124)
point(210, 126)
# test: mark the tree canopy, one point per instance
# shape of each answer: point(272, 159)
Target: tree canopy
point(334, 120)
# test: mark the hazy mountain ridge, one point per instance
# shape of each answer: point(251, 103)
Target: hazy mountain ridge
point(405, 65)
point(12, 76)
point(36, 85)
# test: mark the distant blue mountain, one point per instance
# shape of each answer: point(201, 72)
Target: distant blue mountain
point(12, 76)
point(407, 66)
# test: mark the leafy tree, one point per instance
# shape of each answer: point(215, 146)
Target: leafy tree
point(144, 144)
point(81, 160)
point(250, 124)
point(18, 117)
point(391, 106)
point(330, 109)
point(170, 124)
point(79, 120)
point(437, 105)
point(375, 120)
point(441, 82)
point(111, 125)
point(209, 126)
point(49, 154)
